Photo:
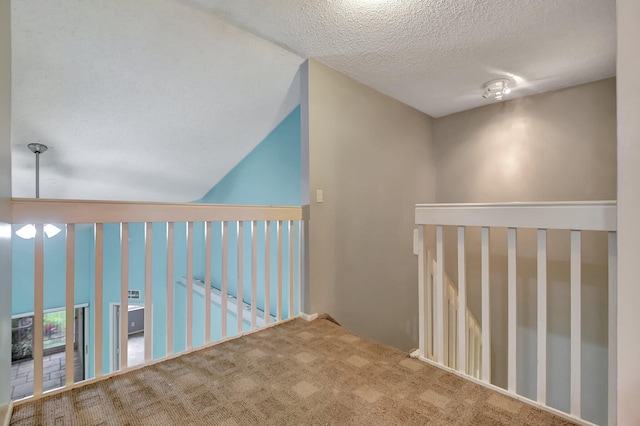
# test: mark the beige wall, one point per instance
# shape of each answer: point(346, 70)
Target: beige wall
point(628, 384)
point(374, 159)
point(5, 194)
point(551, 147)
point(554, 146)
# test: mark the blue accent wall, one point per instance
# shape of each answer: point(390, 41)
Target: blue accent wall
point(54, 273)
point(22, 263)
point(269, 175)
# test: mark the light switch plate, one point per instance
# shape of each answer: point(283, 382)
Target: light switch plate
point(319, 196)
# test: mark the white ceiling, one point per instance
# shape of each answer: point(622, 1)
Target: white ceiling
point(158, 99)
point(149, 100)
point(435, 55)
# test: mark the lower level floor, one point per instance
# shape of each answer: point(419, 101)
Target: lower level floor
point(54, 367)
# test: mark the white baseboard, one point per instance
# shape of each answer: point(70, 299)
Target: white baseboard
point(308, 317)
point(5, 413)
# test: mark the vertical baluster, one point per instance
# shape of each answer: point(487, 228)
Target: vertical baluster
point(97, 323)
point(473, 331)
point(169, 288)
point(267, 273)
point(300, 266)
point(542, 316)
point(471, 350)
point(461, 349)
point(207, 283)
point(422, 292)
point(38, 312)
point(447, 324)
point(512, 316)
point(148, 292)
point(224, 292)
point(124, 295)
point(453, 328)
point(254, 274)
point(290, 269)
point(439, 343)
point(478, 351)
point(613, 329)
point(189, 285)
point(486, 305)
point(279, 301)
point(475, 356)
point(429, 303)
point(239, 300)
point(576, 338)
point(70, 304)
point(469, 353)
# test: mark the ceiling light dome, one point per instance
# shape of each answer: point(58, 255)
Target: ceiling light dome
point(496, 89)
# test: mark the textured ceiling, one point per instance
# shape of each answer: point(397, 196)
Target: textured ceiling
point(150, 100)
point(435, 55)
point(158, 99)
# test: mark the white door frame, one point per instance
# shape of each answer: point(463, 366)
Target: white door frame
point(85, 350)
point(85, 307)
point(114, 338)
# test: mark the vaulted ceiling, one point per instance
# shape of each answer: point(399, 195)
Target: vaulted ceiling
point(156, 100)
point(435, 55)
point(148, 100)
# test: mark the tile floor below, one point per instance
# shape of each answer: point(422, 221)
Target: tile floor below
point(54, 369)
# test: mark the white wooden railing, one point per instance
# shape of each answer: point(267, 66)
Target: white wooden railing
point(278, 221)
point(451, 325)
point(434, 315)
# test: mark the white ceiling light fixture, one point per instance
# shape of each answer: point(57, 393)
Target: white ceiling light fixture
point(28, 232)
point(496, 89)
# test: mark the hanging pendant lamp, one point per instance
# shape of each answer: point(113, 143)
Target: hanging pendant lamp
point(29, 231)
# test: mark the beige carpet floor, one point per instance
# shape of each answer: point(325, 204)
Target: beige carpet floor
point(297, 373)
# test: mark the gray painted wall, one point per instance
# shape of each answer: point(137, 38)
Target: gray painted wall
point(373, 157)
point(554, 146)
point(5, 197)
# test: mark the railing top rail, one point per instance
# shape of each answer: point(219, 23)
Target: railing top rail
point(25, 210)
point(578, 215)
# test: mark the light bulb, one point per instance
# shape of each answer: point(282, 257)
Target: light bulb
point(51, 230)
point(506, 90)
point(27, 232)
